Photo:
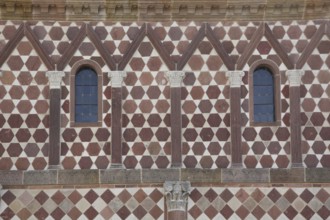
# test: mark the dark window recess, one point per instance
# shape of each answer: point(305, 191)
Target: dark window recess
point(263, 86)
point(86, 108)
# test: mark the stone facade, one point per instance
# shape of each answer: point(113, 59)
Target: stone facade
point(153, 107)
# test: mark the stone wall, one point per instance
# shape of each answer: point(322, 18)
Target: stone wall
point(147, 51)
point(150, 53)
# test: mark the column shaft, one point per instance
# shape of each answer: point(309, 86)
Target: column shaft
point(175, 79)
point(117, 78)
point(54, 128)
point(235, 126)
point(116, 127)
point(295, 126)
point(294, 77)
point(55, 78)
point(176, 127)
point(176, 215)
point(235, 79)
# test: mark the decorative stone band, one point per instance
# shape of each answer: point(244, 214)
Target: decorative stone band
point(294, 77)
point(235, 78)
point(117, 78)
point(55, 78)
point(175, 78)
point(176, 193)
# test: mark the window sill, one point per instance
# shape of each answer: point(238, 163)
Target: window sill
point(263, 124)
point(86, 124)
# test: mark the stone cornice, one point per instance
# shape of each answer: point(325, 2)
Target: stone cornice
point(167, 10)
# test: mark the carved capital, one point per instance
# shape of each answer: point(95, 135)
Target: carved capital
point(55, 79)
point(177, 193)
point(175, 78)
point(235, 78)
point(117, 78)
point(294, 77)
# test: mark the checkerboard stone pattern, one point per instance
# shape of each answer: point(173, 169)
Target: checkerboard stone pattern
point(315, 107)
point(259, 203)
point(146, 97)
point(97, 203)
point(234, 36)
point(85, 147)
point(205, 111)
point(148, 203)
point(8, 29)
point(55, 37)
point(294, 36)
point(24, 118)
point(266, 146)
point(177, 36)
point(146, 111)
point(116, 37)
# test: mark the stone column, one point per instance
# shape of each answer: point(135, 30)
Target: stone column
point(294, 77)
point(55, 78)
point(175, 78)
point(235, 79)
point(117, 78)
point(176, 194)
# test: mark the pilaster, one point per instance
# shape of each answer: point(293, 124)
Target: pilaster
point(235, 80)
point(294, 78)
point(175, 79)
point(55, 79)
point(117, 78)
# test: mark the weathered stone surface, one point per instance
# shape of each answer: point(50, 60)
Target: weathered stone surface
point(201, 175)
point(40, 177)
point(160, 176)
point(245, 175)
point(80, 177)
point(164, 10)
point(120, 176)
point(317, 175)
point(11, 178)
point(293, 175)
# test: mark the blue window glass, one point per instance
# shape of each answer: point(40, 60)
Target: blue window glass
point(86, 100)
point(263, 95)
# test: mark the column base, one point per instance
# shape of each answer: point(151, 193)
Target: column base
point(297, 165)
point(54, 167)
point(116, 166)
point(176, 165)
point(236, 165)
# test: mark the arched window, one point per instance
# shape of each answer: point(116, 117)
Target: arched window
point(264, 89)
point(86, 107)
point(86, 94)
point(263, 95)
